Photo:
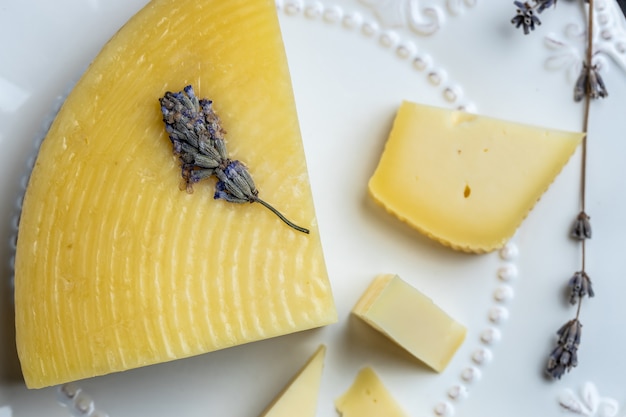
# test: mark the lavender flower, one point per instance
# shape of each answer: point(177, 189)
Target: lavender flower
point(198, 140)
point(581, 229)
point(589, 83)
point(580, 286)
point(544, 4)
point(526, 17)
point(565, 355)
point(235, 184)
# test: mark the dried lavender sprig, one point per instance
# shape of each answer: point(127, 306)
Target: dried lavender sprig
point(588, 86)
point(198, 139)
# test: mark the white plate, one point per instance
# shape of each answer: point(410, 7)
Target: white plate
point(352, 63)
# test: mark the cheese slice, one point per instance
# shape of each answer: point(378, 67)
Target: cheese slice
point(411, 319)
point(299, 398)
point(116, 267)
point(467, 181)
point(368, 397)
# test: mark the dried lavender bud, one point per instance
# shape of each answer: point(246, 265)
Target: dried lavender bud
point(565, 354)
point(589, 83)
point(198, 140)
point(569, 334)
point(580, 286)
point(525, 17)
point(235, 182)
point(596, 86)
point(544, 4)
point(222, 193)
point(581, 229)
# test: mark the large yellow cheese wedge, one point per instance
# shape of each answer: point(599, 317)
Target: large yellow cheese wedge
point(411, 319)
point(467, 181)
point(116, 267)
point(299, 398)
point(368, 397)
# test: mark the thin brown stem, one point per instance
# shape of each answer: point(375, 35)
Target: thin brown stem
point(580, 303)
point(583, 167)
point(583, 253)
point(281, 216)
point(588, 63)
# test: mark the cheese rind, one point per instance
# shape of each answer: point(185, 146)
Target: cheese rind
point(411, 319)
point(299, 398)
point(368, 397)
point(465, 180)
point(117, 268)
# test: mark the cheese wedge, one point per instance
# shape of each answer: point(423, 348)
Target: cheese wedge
point(411, 319)
point(368, 397)
point(116, 267)
point(299, 398)
point(464, 180)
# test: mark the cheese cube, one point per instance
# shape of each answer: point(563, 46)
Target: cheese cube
point(116, 267)
point(368, 397)
point(467, 181)
point(411, 319)
point(299, 398)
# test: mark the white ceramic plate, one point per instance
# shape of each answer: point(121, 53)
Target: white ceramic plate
point(352, 63)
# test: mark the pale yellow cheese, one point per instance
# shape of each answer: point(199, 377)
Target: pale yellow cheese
point(116, 267)
point(411, 319)
point(467, 181)
point(368, 397)
point(299, 398)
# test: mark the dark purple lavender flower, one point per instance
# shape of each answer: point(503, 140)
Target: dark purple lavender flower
point(589, 83)
point(235, 184)
point(580, 286)
point(581, 229)
point(564, 357)
point(525, 17)
point(544, 4)
point(198, 140)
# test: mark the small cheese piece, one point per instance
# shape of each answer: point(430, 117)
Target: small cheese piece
point(116, 267)
point(299, 398)
point(411, 319)
point(368, 397)
point(467, 181)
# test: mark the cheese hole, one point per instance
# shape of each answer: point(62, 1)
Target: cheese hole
point(467, 191)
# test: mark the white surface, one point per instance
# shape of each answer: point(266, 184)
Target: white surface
point(348, 85)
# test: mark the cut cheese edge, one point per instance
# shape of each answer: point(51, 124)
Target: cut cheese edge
point(299, 398)
point(116, 268)
point(465, 180)
point(412, 320)
point(368, 397)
